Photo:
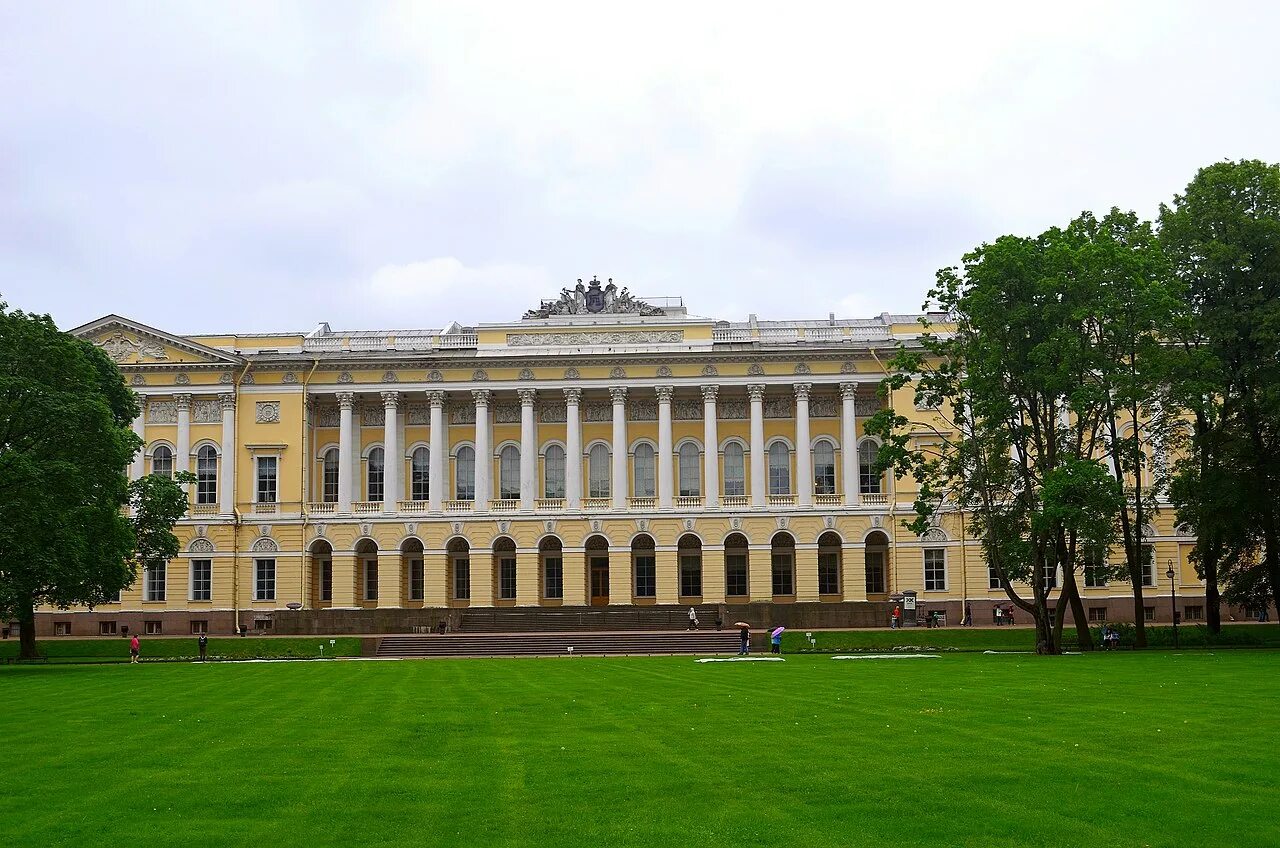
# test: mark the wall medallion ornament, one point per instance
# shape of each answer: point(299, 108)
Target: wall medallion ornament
point(390, 377)
point(202, 529)
point(848, 368)
point(550, 526)
point(267, 412)
point(479, 375)
point(664, 371)
point(710, 371)
point(642, 524)
point(182, 379)
point(594, 299)
point(782, 522)
point(247, 379)
point(345, 377)
point(526, 373)
point(289, 377)
point(139, 380)
point(735, 523)
point(365, 528)
point(457, 527)
point(688, 524)
point(410, 528)
point(802, 368)
point(320, 529)
point(595, 525)
point(200, 546)
point(504, 526)
point(877, 521)
point(264, 529)
point(618, 373)
point(755, 369)
point(434, 376)
point(829, 522)
point(226, 378)
point(265, 545)
point(572, 374)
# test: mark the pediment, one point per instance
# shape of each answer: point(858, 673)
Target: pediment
point(131, 343)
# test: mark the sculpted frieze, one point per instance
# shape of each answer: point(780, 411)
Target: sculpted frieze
point(552, 413)
point(417, 413)
point(162, 412)
point(597, 412)
point(506, 413)
point(578, 339)
point(206, 411)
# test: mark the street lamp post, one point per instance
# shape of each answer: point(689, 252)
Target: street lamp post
point(1173, 601)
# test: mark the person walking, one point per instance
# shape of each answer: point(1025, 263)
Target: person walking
point(693, 619)
point(775, 641)
point(135, 649)
point(744, 633)
point(203, 642)
point(968, 614)
point(896, 620)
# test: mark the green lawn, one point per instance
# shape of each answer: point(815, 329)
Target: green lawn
point(1121, 749)
point(157, 647)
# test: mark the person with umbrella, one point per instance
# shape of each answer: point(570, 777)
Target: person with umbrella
point(744, 631)
point(775, 640)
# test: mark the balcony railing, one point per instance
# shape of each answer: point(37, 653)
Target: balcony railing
point(459, 506)
point(688, 502)
point(366, 507)
point(828, 500)
point(782, 500)
point(875, 498)
point(823, 334)
point(735, 501)
point(642, 503)
point(549, 504)
point(596, 504)
point(731, 335)
point(413, 507)
point(326, 508)
point(504, 505)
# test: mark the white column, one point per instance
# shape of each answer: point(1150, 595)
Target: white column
point(849, 443)
point(436, 452)
point(573, 448)
point(227, 483)
point(710, 449)
point(484, 453)
point(664, 447)
point(182, 462)
point(528, 449)
point(758, 489)
point(804, 452)
point(356, 483)
point(346, 402)
point(139, 467)
point(619, 396)
point(392, 460)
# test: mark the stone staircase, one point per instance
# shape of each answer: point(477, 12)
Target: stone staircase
point(558, 644)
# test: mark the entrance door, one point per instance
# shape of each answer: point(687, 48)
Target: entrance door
point(599, 581)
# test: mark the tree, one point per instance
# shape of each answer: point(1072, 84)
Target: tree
point(1223, 237)
point(65, 444)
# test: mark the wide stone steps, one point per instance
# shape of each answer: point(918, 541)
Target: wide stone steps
point(571, 619)
point(558, 644)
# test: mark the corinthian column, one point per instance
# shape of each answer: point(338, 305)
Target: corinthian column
point(758, 490)
point(484, 453)
point(435, 452)
point(804, 452)
point(849, 442)
point(393, 462)
point(227, 485)
point(182, 462)
point(528, 449)
point(619, 396)
point(710, 449)
point(139, 467)
point(573, 449)
point(346, 402)
point(664, 446)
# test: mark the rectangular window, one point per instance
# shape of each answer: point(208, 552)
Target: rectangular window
point(691, 576)
point(735, 575)
point(1097, 613)
point(645, 475)
point(106, 628)
point(199, 626)
point(824, 469)
point(417, 583)
point(507, 578)
point(264, 580)
point(371, 580)
point(201, 580)
point(266, 479)
point(1148, 565)
point(206, 476)
point(993, 578)
point(935, 570)
point(1195, 613)
point(1050, 574)
point(553, 473)
point(779, 471)
point(152, 628)
point(376, 472)
point(1149, 613)
point(154, 581)
point(462, 579)
point(419, 481)
point(646, 576)
point(735, 477)
point(553, 577)
point(509, 474)
point(783, 582)
point(690, 474)
point(875, 572)
point(828, 574)
point(1095, 576)
point(62, 628)
point(326, 580)
point(114, 598)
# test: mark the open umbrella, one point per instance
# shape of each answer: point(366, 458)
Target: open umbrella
point(741, 624)
point(777, 631)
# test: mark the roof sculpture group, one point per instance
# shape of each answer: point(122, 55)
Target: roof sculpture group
point(594, 299)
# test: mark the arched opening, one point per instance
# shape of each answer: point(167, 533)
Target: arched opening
point(876, 558)
point(690, 471)
point(321, 573)
point(869, 481)
point(553, 472)
point(783, 565)
point(735, 476)
point(509, 473)
point(830, 567)
point(689, 550)
point(367, 570)
point(736, 558)
point(464, 474)
point(162, 461)
point(597, 550)
point(207, 475)
point(504, 568)
point(329, 477)
point(779, 469)
point(551, 568)
point(420, 474)
point(414, 563)
point(598, 471)
point(824, 468)
point(458, 552)
point(376, 476)
point(644, 475)
point(644, 569)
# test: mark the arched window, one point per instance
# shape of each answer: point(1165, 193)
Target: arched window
point(329, 483)
point(644, 471)
point(509, 473)
point(779, 469)
point(162, 461)
point(553, 472)
point(207, 475)
point(420, 474)
point(824, 468)
point(735, 477)
point(868, 479)
point(690, 479)
point(377, 466)
point(598, 472)
point(466, 473)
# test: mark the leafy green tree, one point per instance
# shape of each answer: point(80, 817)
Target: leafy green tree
point(66, 537)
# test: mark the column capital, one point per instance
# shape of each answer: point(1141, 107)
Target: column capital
point(435, 398)
point(618, 394)
point(346, 400)
point(527, 396)
point(390, 400)
point(755, 391)
point(573, 395)
point(848, 391)
point(183, 401)
point(481, 396)
point(802, 390)
point(709, 393)
point(665, 393)
point(227, 400)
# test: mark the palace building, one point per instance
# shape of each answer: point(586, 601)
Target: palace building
point(602, 451)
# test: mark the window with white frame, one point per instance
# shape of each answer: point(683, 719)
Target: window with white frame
point(1148, 566)
point(264, 579)
point(329, 485)
point(644, 473)
point(735, 476)
point(162, 461)
point(598, 472)
point(371, 580)
point(154, 580)
point(509, 473)
point(267, 467)
point(553, 577)
point(420, 474)
point(507, 578)
point(690, 472)
point(646, 575)
point(691, 575)
point(1095, 576)
point(935, 569)
point(376, 474)
point(783, 573)
point(824, 468)
point(462, 578)
point(417, 580)
point(465, 474)
point(207, 475)
point(875, 578)
point(735, 575)
point(993, 578)
point(201, 580)
point(828, 573)
point(1049, 573)
point(553, 472)
point(779, 470)
point(869, 479)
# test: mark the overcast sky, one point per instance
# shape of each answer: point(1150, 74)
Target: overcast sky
point(266, 166)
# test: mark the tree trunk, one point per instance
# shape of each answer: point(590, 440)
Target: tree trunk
point(27, 629)
point(1071, 593)
point(1212, 601)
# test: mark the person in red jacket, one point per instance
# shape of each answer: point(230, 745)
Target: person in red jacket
point(897, 617)
point(135, 648)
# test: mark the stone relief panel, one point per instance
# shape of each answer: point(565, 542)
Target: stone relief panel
point(138, 380)
point(778, 407)
point(462, 414)
point(597, 411)
point(664, 371)
point(642, 410)
point(594, 338)
point(506, 413)
point(756, 369)
point(824, 406)
point(289, 377)
point(226, 378)
point(120, 347)
point(686, 409)
point(162, 412)
point(434, 376)
point(247, 379)
point(345, 377)
point(328, 416)
point(417, 413)
point(552, 413)
point(866, 407)
point(267, 411)
point(572, 374)
point(182, 379)
point(373, 415)
point(732, 410)
point(526, 374)
point(206, 411)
